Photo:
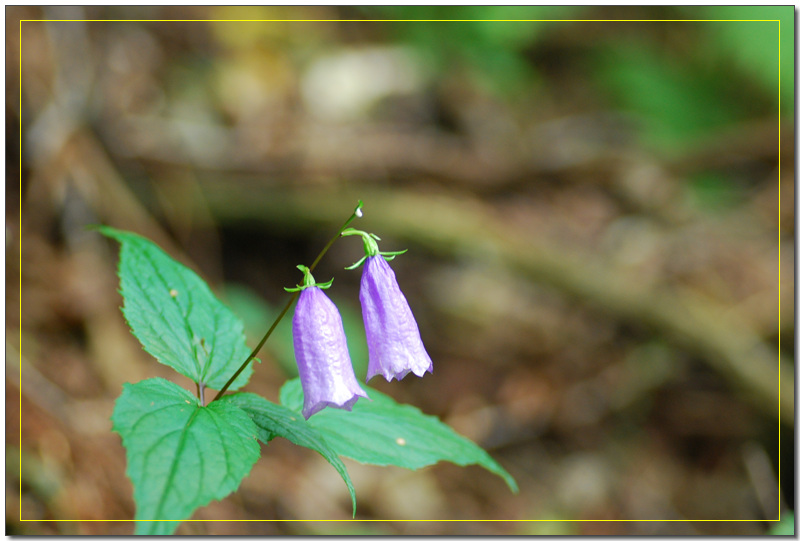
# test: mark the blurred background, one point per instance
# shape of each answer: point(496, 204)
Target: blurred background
point(594, 228)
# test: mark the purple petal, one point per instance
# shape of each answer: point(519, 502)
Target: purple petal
point(323, 360)
point(395, 346)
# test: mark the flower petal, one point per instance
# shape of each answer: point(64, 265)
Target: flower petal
point(320, 349)
point(395, 346)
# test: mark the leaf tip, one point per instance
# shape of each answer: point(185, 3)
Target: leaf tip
point(106, 230)
point(510, 481)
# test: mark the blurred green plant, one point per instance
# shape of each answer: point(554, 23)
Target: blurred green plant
point(785, 526)
point(488, 41)
point(753, 46)
point(713, 191)
point(716, 73)
point(551, 526)
point(677, 100)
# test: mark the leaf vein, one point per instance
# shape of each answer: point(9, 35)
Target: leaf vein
point(184, 314)
point(175, 461)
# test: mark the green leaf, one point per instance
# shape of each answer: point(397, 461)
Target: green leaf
point(273, 420)
point(180, 455)
point(383, 432)
point(175, 316)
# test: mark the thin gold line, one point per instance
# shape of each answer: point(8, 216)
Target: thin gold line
point(407, 520)
point(19, 239)
point(779, 268)
point(403, 20)
point(395, 20)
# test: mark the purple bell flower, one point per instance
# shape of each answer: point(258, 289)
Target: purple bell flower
point(393, 340)
point(320, 349)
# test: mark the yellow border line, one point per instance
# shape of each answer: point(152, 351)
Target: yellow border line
point(398, 20)
point(779, 268)
point(407, 520)
point(19, 239)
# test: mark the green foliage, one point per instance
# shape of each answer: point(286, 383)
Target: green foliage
point(785, 526)
point(175, 315)
point(180, 455)
point(684, 80)
point(273, 420)
point(712, 191)
point(752, 44)
point(707, 76)
point(676, 102)
point(489, 41)
point(383, 432)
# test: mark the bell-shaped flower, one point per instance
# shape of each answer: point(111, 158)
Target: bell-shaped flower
point(393, 340)
point(320, 349)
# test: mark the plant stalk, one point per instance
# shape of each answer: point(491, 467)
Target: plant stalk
point(356, 214)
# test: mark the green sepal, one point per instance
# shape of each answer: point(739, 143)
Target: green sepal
point(370, 247)
point(389, 256)
point(325, 285)
point(370, 244)
point(356, 264)
point(308, 281)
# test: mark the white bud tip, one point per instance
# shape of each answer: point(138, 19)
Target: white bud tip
point(359, 213)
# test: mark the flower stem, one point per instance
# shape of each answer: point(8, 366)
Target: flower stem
point(357, 213)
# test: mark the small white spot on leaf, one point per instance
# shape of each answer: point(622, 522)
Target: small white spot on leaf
point(173, 293)
point(400, 441)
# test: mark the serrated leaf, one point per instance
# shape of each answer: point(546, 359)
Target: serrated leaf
point(180, 455)
point(274, 420)
point(383, 432)
point(175, 315)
